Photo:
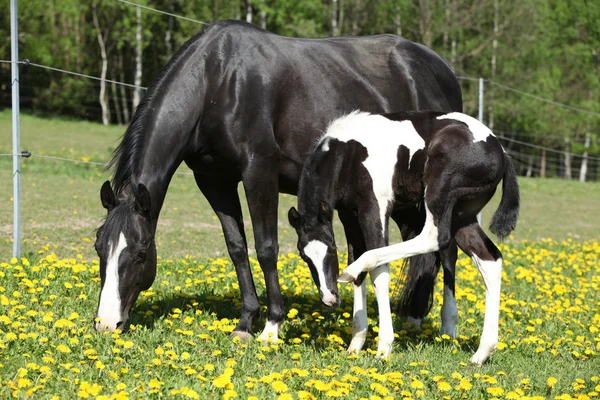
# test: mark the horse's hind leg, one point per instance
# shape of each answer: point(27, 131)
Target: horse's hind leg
point(224, 199)
point(449, 310)
point(416, 297)
point(475, 243)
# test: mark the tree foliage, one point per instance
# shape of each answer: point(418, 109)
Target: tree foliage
point(550, 48)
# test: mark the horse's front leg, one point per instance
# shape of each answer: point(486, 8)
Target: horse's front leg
point(374, 226)
point(260, 180)
point(356, 246)
point(224, 199)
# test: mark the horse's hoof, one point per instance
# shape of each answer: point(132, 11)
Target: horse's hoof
point(244, 336)
point(346, 278)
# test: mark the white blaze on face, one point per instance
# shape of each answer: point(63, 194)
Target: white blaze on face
point(109, 309)
point(479, 131)
point(316, 251)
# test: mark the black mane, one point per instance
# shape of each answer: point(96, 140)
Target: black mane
point(126, 156)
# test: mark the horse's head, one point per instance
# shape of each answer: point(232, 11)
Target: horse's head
point(316, 244)
point(125, 245)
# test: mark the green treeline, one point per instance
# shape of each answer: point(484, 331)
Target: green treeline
point(549, 48)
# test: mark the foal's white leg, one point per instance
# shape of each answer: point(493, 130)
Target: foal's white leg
point(425, 242)
point(380, 277)
point(360, 323)
point(492, 277)
point(449, 313)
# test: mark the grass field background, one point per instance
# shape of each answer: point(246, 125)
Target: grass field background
point(179, 342)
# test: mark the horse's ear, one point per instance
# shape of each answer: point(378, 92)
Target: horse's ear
point(142, 200)
point(107, 196)
point(325, 212)
point(294, 217)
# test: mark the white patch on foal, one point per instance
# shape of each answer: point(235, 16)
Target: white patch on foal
point(382, 138)
point(479, 131)
point(109, 309)
point(316, 251)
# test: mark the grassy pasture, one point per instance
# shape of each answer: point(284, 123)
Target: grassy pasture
point(178, 344)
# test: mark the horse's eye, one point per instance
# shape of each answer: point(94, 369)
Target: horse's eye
point(141, 257)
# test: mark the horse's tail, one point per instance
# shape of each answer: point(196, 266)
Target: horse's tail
point(416, 297)
point(504, 220)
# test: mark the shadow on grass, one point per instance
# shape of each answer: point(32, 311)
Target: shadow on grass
point(228, 305)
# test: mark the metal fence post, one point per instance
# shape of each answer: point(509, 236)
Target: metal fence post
point(481, 93)
point(14, 38)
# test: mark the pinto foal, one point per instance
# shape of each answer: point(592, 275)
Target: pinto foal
point(373, 167)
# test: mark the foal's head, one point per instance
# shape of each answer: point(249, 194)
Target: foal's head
point(316, 244)
point(125, 245)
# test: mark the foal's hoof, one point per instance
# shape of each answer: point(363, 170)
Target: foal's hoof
point(244, 336)
point(346, 278)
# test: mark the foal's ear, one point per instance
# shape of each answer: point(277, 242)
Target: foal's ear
point(142, 200)
point(325, 213)
point(294, 217)
point(107, 196)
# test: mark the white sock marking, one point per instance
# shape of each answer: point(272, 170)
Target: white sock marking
point(360, 323)
point(449, 313)
point(479, 131)
point(381, 281)
point(316, 251)
point(270, 333)
point(491, 271)
point(109, 309)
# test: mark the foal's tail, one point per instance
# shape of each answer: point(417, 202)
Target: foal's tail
point(505, 217)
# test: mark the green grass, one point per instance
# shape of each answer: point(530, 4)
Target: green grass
point(60, 200)
point(549, 324)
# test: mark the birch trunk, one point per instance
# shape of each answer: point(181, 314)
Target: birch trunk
point(425, 27)
point(568, 174)
point(248, 12)
point(584, 162)
point(263, 15)
point(115, 96)
point(137, 92)
point(169, 32)
point(124, 105)
point(398, 19)
point(102, 95)
point(543, 164)
point(334, 18)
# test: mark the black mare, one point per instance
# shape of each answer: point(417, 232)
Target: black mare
point(376, 166)
point(239, 104)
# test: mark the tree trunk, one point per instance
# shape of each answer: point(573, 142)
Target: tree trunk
point(397, 20)
point(334, 18)
point(124, 105)
point(263, 15)
point(169, 32)
point(356, 12)
point(543, 164)
point(102, 96)
point(584, 162)
point(425, 23)
point(248, 12)
point(137, 92)
point(493, 65)
point(530, 167)
point(568, 174)
point(115, 96)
